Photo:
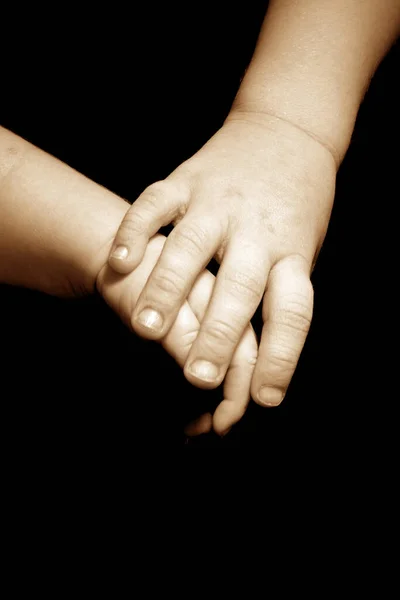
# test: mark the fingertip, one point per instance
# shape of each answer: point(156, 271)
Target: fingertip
point(122, 260)
point(203, 374)
point(237, 385)
point(268, 396)
point(120, 252)
point(149, 324)
point(199, 426)
point(226, 415)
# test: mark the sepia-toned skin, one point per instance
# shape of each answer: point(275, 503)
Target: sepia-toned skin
point(56, 231)
point(258, 196)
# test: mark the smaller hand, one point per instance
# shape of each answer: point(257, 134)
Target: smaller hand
point(258, 197)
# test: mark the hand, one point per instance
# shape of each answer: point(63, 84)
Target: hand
point(258, 197)
point(122, 293)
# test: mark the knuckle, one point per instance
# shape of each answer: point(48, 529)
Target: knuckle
point(133, 224)
point(148, 201)
point(166, 195)
point(187, 339)
point(245, 283)
point(158, 188)
point(295, 313)
point(167, 280)
point(282, 358)
point(193, 238)
point(252, 360)
point(221, 332)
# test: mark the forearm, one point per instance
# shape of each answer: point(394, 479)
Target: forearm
point(56, 225)
point(313, 63)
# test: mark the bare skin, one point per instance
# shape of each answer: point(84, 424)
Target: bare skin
point(56, 231)
point(258, 196)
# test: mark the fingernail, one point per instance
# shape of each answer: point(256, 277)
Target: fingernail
point(151, 319)
point(204, 370)
point(120, 252)
point(270, 396)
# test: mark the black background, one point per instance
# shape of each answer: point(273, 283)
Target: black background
point(124, 98)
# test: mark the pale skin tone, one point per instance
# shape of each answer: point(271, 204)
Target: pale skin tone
point(258, 196)
point(56, 231)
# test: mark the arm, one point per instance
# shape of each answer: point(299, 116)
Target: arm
point(56, 230)
point(259, 194)
point(314, 61)
point(55, 223)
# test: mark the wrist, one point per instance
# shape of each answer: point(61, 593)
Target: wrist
point(328, 121)
point(286, 136)
point(56, 226)
point(313, 63)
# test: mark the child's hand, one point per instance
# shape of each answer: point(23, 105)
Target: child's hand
point(122, 293)
point(258, 196)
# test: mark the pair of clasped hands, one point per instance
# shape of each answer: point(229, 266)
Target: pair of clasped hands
point(258, 198)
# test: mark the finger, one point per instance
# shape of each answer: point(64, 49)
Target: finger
point(238, 290)
point(184, 331)
point(122, 293)
point(287, 313)
point(240, 371)
point(202, 424)
point(238, 378)
point(157, 206)
point(188, 249)
point(237, 384)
